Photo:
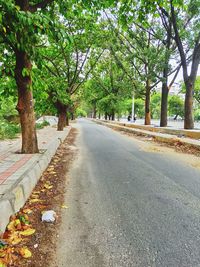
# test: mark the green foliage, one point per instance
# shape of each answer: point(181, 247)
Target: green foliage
point(8, 107)
point(197, 114)
point(155, 105)
point(139, 108)
point(197, 89)
point(176, 106)
point(72, 45)
point(8, 130)
point(80, 112)
point(42, 125)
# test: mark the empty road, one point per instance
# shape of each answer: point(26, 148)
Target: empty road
point(128, 206)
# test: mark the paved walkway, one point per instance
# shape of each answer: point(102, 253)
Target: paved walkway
point(12, 161)
point(20, 172)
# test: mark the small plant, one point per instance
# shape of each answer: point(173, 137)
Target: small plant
point(8, 130)
point(42, 125)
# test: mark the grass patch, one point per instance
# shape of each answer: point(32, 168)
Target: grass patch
point(42, 125)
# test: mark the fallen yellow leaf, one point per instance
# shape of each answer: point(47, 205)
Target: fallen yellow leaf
point(14, 238)
point(34, 200)
point(11, 226)
point(43, 190)
point(35, 196)
point(25, 252)
point(17, 221)
point(48, 186)
point(27, 211)
point(36, 192)
point(2, 264)
point(64, 207)
point(27, 232)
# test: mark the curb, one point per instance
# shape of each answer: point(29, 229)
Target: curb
point(160, 137)
point(15, 197)
point(193, 134)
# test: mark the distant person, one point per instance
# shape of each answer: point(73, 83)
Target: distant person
point(134, 118)
point(129, 118)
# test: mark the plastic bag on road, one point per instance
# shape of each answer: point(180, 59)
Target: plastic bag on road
point(49, 216)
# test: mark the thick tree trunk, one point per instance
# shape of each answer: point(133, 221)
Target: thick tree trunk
point(147, 104)
point(25, 105)
point(62, 115)
point(61, 120)
point(189, 121)
point(164, 105)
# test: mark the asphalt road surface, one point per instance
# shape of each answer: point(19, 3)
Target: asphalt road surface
point(128, 207)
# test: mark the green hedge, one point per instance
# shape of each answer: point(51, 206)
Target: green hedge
point(8, 130)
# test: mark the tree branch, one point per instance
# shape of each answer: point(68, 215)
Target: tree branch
point(42, 4)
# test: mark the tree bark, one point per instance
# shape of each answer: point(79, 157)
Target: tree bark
point(113, 116)
point(72, 116)
point(189, 121)
point(147, 104)
point(188, 79)
point(106, 116)
point(25, 105)
point(94, 112)
point(62, 115)
point(164, 105)
point(67, 119)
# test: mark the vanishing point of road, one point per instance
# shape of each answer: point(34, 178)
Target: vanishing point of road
point(128, 206)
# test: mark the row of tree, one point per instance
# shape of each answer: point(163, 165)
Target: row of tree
point(57, 52)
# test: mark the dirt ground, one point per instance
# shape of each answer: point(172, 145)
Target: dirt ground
point(47, 195)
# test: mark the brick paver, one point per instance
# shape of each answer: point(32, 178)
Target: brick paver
point(11, 161)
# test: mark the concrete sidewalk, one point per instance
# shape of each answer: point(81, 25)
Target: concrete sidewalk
point(190, 138)
point(19, 173)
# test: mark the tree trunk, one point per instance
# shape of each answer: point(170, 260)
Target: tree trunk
point(62, 115)
point(72, 116)
point(189, 121)
point(94, 112)
point(113, 116)
point(99, 116)
point(106, 116)
point(25, 105)
point(67, 119)
point(61, 120)
point(164, 105)
point(147, 104)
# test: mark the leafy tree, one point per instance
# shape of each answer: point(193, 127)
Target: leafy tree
point(176, 106)
point(155, 105)
point(139, 108)
point(197, 89)
point(23, 26)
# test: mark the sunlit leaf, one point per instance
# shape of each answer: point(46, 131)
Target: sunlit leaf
point(27, 232)
point(25, 252)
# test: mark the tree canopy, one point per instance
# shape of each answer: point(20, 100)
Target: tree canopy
point(59, 56)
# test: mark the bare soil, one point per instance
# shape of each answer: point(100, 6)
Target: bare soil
point(42, 243)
